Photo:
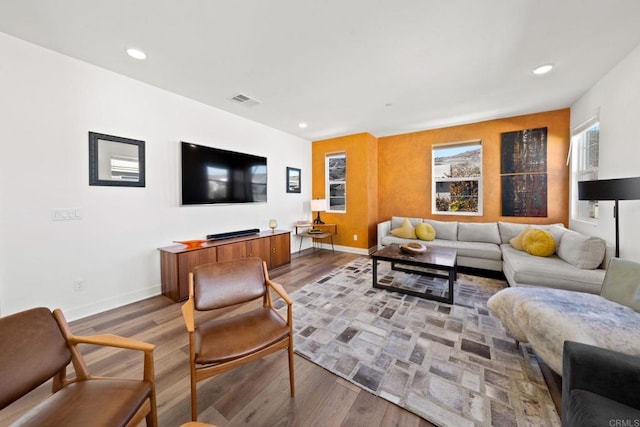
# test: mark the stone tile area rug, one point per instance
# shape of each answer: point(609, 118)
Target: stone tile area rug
point(452, 365)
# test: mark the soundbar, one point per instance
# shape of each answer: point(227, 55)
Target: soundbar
point(231, 234)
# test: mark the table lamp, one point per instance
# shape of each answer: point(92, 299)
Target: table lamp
point(611, 189)
point(318, 205)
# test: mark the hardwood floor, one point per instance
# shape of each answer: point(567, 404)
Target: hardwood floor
point(256, 394)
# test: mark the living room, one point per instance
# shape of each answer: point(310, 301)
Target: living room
point(108, 257)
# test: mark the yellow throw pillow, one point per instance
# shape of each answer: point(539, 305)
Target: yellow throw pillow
point(516, 242)
point(405, 231)
point(425, 231)
point(539, 242)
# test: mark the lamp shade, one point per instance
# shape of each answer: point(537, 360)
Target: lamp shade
point(318, 205)
point(610, 189)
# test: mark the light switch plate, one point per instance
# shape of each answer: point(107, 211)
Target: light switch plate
point(66, 214)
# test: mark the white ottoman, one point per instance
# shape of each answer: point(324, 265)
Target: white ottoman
point(546, 317)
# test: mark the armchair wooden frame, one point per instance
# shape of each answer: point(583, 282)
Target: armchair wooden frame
point(201, 372)
point(42, 328)
point(149, 409)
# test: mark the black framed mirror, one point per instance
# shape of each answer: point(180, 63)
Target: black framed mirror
point(116, 161)
point(294, 180)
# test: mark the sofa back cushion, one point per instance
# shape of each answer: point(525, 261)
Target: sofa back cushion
point(509, 230)
point(398, 221)
point(580, 250)
point(622, 283)
point(445, 230)
point(479, 232)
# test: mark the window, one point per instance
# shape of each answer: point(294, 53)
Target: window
point(584, 167)
point(336, 180)
point(457, 178)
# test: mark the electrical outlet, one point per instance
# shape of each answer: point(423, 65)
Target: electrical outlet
point(355, 237)
point(78, 285)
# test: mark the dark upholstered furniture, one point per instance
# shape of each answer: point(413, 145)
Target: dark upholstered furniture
point(600, 387)
point(37, 345)
point(252, 332)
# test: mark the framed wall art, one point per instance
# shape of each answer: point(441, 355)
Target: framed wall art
point(116, 161)
point(294, 180)
point(523, 173)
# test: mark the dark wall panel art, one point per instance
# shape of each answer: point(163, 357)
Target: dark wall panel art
point(524, 195)
point(524, 173)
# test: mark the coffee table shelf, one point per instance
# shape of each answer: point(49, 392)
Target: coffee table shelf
point(435, 258)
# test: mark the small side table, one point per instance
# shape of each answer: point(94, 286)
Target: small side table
point(328, 231)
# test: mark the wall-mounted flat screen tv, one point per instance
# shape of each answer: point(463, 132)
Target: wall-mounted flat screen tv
point(211, 175)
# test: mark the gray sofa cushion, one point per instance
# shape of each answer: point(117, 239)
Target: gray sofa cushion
point(467, 249)
point(622, 283)
point(478, 232)
point(580, 250)
point(522, 269)
point(447, 230)
point(509, 230)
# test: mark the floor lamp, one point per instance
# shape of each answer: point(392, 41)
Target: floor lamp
point(611, 189)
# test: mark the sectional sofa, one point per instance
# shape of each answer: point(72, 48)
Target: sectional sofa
point(576, 265)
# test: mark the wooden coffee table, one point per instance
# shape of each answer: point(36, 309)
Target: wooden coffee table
point(436, 258)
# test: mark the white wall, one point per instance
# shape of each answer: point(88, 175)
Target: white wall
point(48, 104)
point(617, 96)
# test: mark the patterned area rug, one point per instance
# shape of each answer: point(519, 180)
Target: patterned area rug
point(452, 365)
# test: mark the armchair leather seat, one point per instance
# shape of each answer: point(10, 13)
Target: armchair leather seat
point(38, 346)
point(233, 338)
point(221, 343)
point(95, 403)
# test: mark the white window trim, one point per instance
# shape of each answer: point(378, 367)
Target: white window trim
point(328, 182)
point(434, 211)
point(574, 152)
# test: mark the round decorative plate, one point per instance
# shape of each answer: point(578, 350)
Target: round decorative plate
point(413, 248)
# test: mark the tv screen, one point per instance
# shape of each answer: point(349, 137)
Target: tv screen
point(211, 175)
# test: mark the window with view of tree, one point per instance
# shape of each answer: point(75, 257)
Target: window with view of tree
point(336, 182)
point(585, 144)
point(457, 178)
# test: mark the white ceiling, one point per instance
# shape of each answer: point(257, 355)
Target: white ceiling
point(346, 66)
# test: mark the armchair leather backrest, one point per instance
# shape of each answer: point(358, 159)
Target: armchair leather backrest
point(33, 350)
point(622, 283)
point(226, 283)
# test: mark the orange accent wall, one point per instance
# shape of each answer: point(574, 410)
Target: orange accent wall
point(391, 176)
point(404, 168)
point(361, 215)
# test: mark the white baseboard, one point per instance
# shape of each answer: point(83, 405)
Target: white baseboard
point(349, 249)
point(96, 307)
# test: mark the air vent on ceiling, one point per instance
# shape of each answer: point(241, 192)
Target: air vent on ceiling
point(245, 100)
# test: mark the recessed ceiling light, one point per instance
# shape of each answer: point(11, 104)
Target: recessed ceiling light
point(302, 125)
point(136, 53)
point(543, 69)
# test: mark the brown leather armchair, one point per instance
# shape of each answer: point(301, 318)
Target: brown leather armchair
point(37, 345)
point(222, 343)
